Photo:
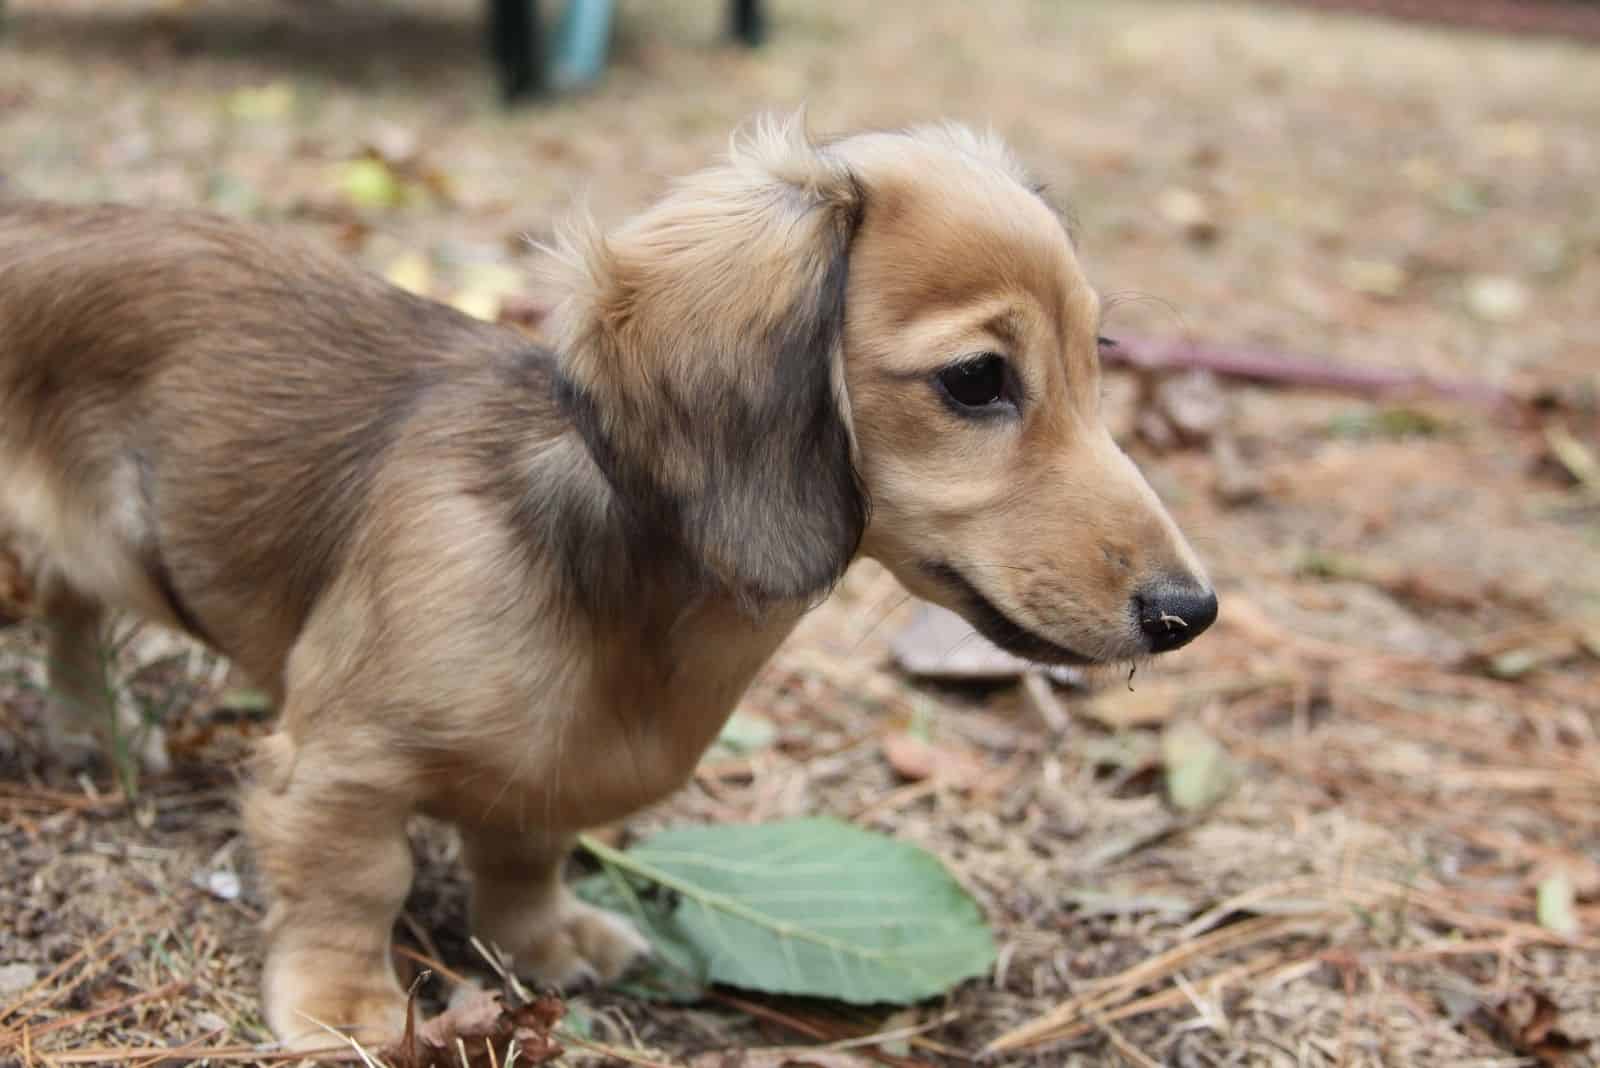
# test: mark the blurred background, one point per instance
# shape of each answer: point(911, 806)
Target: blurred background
point(1354, 263)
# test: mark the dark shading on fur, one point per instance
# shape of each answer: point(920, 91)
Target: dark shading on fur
point(556, 497)
point(999, 627)
point(779, 509)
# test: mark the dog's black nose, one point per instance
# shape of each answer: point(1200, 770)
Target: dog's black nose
point(1173, 613)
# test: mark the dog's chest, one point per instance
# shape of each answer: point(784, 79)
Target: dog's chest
point(627, 732)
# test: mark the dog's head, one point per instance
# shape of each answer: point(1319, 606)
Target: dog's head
point(881, 344)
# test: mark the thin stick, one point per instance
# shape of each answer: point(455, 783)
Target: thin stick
point(366, 1058)
point(104, 1010)
point(430, 963)
point(1101, 995)
point(1466, 948)
point(184, 1050)
point(617, 1052)
point(1277, 369)
point(804, 1027)
point(111, 1054)
point(1134, 1055)
point(1172, 997)
point(764, 1012)
point(26, 997)
point(898, 798)
point(878, 1038)
point(420, 933)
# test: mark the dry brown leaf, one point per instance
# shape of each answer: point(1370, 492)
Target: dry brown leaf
point(1193, 404)
point(480, 1028)
point(16, 596)
point(1529, 1023)
point(915, 758)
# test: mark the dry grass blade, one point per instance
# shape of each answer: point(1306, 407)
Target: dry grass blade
point(1133, 1054)
point(1100, 996)
point(159, 992)
point(360, 1051)
point(808, 1028)
point(1382, 553)
point(1574, 455)
point(1172, 998)
point(186, 1050)
point(431, 964)
point(218, 1054)
point(895, 1034)
point(1237, 936)
point(615, 1052)
point(29, 995)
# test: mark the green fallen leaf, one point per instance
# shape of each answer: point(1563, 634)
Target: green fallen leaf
point(370, 183)
point(745, 732)
point(1199, 773)
point(262, 103)
point(1398, 421)
point(808, 907)
point(1555, 905)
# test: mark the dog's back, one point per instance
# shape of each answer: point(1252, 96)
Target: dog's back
point(171, 385)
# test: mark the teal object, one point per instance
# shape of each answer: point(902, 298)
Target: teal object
point(581, 43)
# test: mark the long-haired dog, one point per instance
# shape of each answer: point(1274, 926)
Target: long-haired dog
point(518, 588)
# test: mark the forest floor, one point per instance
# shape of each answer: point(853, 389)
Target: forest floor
point(1406, 673)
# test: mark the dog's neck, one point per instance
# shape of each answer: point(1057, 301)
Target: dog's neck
point(616, 563)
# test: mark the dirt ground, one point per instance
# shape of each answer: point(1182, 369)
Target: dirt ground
point(1406, 672)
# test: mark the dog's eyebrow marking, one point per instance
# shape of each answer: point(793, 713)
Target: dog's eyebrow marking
point(1007, 326)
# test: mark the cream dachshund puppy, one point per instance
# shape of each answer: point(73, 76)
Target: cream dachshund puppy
point(518, 588)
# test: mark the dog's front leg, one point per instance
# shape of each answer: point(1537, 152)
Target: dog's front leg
point(330, 837)
point(520, 905)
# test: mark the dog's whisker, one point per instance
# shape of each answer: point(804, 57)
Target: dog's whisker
point(897, 600)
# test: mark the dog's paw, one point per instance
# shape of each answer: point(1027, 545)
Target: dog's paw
point(315, 1015)
point(584, 946)
point(312, 996)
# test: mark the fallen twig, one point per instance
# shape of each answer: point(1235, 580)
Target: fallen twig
point(1541, 17)
point(250, 1054)
point(1575, 456)
point(7, 1037)
point(614, 1052)
point(1277, 369)
point(1101, 997)
point(29, 995)
point(808, 1028)
point(1131, 1053)
point(1037, 1033)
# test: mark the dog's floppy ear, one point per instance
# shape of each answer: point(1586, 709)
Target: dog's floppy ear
point(701, 350)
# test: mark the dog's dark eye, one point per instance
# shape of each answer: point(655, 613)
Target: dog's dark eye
point(976, 383)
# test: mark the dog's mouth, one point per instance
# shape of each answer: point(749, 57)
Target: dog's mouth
point(998, 627)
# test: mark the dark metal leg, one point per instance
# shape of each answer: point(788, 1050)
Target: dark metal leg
point(748, 20)
point(517, 43)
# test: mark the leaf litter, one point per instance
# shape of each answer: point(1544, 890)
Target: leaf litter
point(1389, 878)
